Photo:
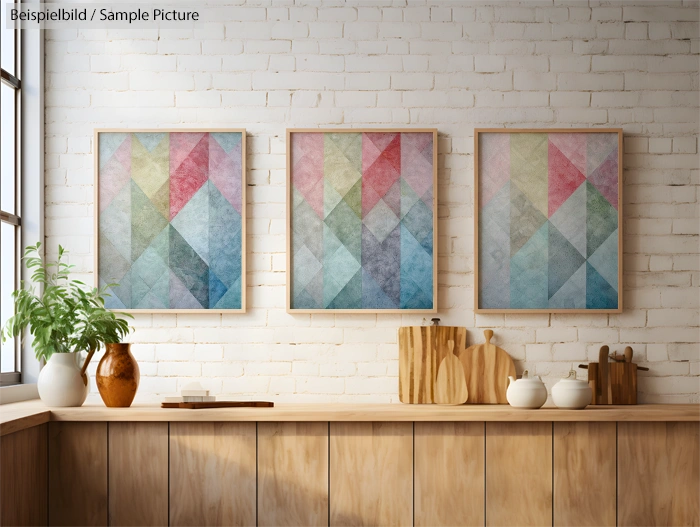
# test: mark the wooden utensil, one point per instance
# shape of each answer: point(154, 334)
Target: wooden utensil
point(450, 385)
point(421, 350)
point(220, 404)
point(603, 385)
point(487, 368)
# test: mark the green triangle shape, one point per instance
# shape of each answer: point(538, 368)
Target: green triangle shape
point(525, 219)
point(161, 199)
point(353, 198)
point(346, 225)
point(146, 221)
point(601, 219)
point(564, 261)
point(350, 296)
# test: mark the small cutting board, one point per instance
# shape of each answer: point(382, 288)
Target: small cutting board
point(450, 385)
point(220, 404)
point(486, 368)
point(421, 351)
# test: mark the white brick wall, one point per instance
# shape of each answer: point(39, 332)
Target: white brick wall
point(271, 64)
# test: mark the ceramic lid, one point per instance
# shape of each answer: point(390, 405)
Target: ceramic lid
point(572, 380)
point(526, 377)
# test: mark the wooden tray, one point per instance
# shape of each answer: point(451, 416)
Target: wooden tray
point(220, 404)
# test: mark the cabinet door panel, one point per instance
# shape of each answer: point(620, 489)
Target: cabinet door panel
point(77, 473)
point(518, 474)
point(292, 474)
point(658, 474)
point(449, 474)
point(23, 477)
point(138, 474)
point(584, 474)
point(371, 473)
point(212, 473)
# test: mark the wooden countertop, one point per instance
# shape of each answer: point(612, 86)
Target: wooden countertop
point(16, 416)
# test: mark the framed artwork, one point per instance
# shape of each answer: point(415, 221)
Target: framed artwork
point(548, 220)
point(170, 209)
point(361, 220)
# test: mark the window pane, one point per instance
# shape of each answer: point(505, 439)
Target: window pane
point(7, 285)
point(7, 43)
point(7, 148)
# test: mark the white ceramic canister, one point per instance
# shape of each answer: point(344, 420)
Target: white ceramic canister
point(571, 393)
point(60, 382)
point(528, 392)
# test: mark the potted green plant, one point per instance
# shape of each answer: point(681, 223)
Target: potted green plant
point(64, 318)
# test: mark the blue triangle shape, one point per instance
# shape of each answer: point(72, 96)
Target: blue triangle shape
point(216, 289)
point(373, 297)
point(599, 293)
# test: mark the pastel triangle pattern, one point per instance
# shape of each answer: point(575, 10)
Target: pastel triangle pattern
point(548, 221)
point(170, 226)
point(362, 220)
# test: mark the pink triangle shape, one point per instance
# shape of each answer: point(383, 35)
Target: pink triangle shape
point(564, 178)
point(188, 178)
point(181, 144)
point(605, 178)
point(573, 146)
point(494, 165)
point(225, 172)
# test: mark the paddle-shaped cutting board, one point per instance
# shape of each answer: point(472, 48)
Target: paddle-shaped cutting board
point(450, 385)
point(486, 368)
point(421, 351)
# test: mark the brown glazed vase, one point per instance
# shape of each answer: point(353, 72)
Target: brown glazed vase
point(118, 375)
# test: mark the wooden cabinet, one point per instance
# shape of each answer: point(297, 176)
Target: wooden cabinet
point(371, 474)
point(439, 473)
point(518, 474)
point(448, 475)
point(138, 474)
point(292, 474)
point(584, 474)
point(658, 474)
point(212, 474)
point(77, 474)
point(23, 472)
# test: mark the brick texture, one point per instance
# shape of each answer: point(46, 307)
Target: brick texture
point(266, 65)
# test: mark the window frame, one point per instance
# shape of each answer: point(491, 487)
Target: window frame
point(15, 219)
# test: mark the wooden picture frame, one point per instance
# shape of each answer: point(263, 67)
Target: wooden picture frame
point(229, 200)
point(428, 240)
point(564, 169)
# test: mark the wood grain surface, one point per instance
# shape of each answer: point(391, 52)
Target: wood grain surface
point(212, 474)
point(487, 368)
point(421, 351)
point(77, 474)
point(23, 477)
point(450, 385)
point(658, 474)
point(138, 474)
point(518, 474)
point(292, 474)
point(448, 474)
point(584, 474)
point(371, 474)
point(354, 412)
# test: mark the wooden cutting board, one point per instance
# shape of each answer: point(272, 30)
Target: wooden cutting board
point(487, 368)
point(421, 351)
point(450, 384)
point(220, 404)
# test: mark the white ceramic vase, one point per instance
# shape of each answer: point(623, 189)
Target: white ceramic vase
point(60, 382)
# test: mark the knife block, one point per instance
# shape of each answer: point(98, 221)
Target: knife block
point(619, 386)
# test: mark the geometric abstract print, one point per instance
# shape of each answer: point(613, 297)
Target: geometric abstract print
point(170, 230)
point(361, 220)
point(548, 221)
